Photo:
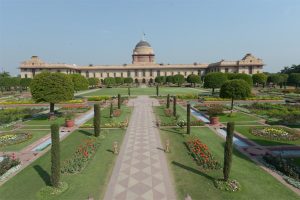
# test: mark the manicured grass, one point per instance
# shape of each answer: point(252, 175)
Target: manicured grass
point(159, 110)
point(35, 136)
point(144, 91)
point(188, 179)
point(43, 120)
point(105, 118)
point(297, 161)
point(35, 127)
point(246, 123)
point(245, 130)
point(92, 181)
point(238, 116)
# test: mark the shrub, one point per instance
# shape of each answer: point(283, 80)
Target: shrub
point(187, 96)
point(117, 112)
point(55, 156)
point(168, 112)
point(97, 119)
point(201, 154)
point(215, 110)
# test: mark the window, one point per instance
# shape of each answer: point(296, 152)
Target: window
point(172, 73)
point(87, 74)
point(144, 73)
point(226, 70)
point(151, 73)
point(128, 73)
point(122, 74)
point(158, 72)
point(94, 75)
point(184, 73)
point(165, 73)
point(25, 75)
point(101, 74)
point(199, 72)
point(114, 74)
point(135, 72)
point(107, 74)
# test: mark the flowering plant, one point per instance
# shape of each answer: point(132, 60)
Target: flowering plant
point(275, 133)
point(14, 138)
point(80, 158)
point(202, 155)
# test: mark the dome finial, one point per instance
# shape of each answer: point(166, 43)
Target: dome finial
point(143, 36)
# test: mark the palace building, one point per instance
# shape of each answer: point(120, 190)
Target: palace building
point(144, 68)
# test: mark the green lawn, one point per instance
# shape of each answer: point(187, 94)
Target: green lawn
point(105, 118)
point(159, 110)
point(238, 116)
point(245, 130)
point(43, 120)
point(255, 183)
point(92, 180)
point(35, 136)
point(246, 123)
point(144, 91)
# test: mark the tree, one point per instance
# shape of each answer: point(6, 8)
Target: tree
point(168, 101)
point(260, 78)
point(174, 106)
point(294, 78)
point(283, 79)
point(245, 77)
point(193, 79)
point(128, 91)
point(97, 118)
point(79, 82)
point(128, 80)
point(52, 88)
point(235, 89)
point(111, 110)
point(160, 79)
point(55, 156)
point(157, 90)
point(214, 80)
point(169, 79)
point(292, 69)
point(188, 119)
point(108, 81)
point(93, 82)
point(119, 101)
point(119, 80)
point(4, 74)
point(15, 82)
point(228, 150)
point(276, 79)
point(25, 82)
point(178, 79)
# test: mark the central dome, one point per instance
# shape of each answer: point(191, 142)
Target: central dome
point(142, 43)
point(143, 48)
point(143, 53)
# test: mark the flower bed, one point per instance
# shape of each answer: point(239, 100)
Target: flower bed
point(112, 124)
point(187, 96)
point(7, 163)
point(81, 157)
point(13, 138)
point(98, 98)
point(276, 133)
point(284, 167)
point(201, 154)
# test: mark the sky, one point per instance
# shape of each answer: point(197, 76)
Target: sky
point(87, 32)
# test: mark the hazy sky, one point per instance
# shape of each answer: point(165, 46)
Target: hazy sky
point(180, 31)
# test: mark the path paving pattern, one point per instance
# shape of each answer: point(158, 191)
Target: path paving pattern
point(141, 170)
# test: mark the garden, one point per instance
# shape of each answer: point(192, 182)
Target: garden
point(99, 163)
point(199, 183)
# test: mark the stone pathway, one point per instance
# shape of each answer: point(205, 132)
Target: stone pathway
point(141, 170)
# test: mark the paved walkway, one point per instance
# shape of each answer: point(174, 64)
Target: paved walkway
point(141, 170)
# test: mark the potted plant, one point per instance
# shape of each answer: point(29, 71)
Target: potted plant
point(69, 120)
point(213, 111)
